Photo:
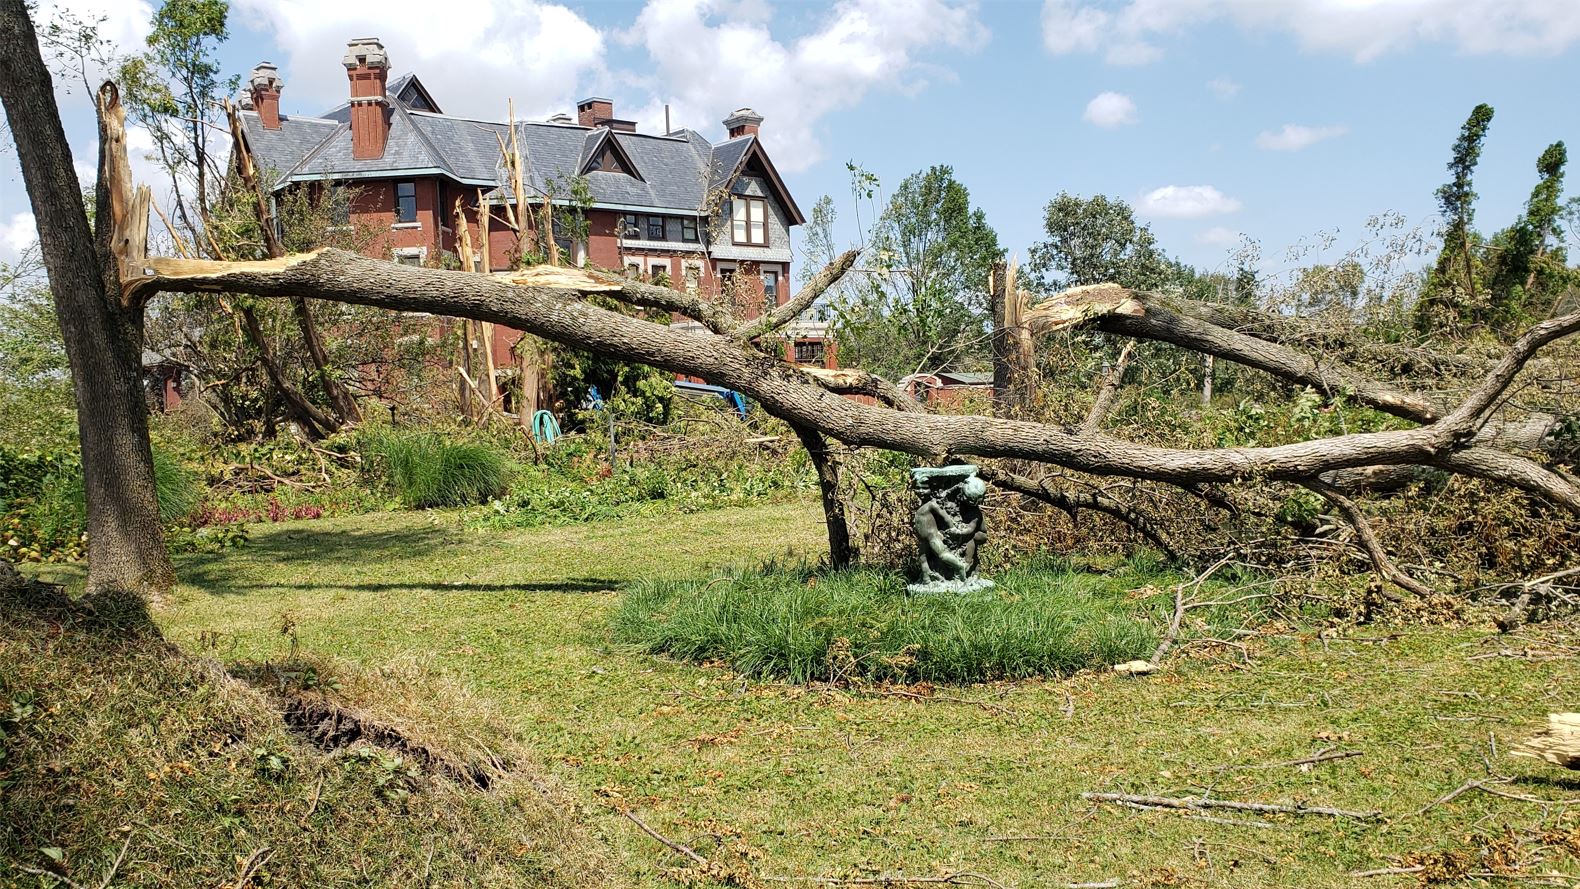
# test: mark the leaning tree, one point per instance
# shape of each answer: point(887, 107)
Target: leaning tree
point(101, 290)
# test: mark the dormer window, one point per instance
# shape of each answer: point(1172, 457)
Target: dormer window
point(688, 230)
point(629, 227)
point(655, 228)
point(749, 218)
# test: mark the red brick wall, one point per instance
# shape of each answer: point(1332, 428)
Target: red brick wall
point(374, 205)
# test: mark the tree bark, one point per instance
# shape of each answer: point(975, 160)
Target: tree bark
point(555, 313)
point(103, 337)
point(840, 551)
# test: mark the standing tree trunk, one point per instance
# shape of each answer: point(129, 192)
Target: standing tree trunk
point(840, 551)
point(103, 337)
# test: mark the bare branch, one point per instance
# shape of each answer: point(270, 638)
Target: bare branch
point(1104, 401)
point(792, 310)
point(1367, 539)
point(1070, 502)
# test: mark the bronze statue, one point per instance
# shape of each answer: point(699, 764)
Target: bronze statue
point(949, 528)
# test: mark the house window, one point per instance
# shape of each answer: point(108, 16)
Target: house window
point(688, 230)
point(405, 202)
point(770, 290)
point(693, 277)
point(655, 228)
point(750, 221)
point(658, 273)
point(630, 227)
point(633, 270)
point(809, 352)
point(411, 255)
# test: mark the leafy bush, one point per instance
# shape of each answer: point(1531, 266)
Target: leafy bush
point(575, 483)
point(426, 469)
point(46, 508)
point(1044, 618)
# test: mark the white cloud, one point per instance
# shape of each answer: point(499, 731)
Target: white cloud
point(472, 56)
point(1294, 137)
point(16, 235)
point(1187, 202)
point(1223, 88)
point(1218, 236)
point(1108, 110)
point(1362, 29)
point(711, 57)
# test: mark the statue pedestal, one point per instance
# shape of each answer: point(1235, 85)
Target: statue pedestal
point(950, 587)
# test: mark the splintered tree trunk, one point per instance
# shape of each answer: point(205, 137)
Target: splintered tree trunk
point(126, 553)
point(840, 550)
point(998, 296)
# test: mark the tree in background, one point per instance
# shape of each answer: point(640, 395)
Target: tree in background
point(173, 89)
point(1529, 268)
point(1450, 295)
point(923, 306)
point(1093, 241)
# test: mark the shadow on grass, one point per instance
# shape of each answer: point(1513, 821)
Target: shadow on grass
point(567, 585)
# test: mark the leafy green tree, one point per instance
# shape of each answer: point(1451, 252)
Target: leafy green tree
point(924, 306)
point(1529, 269)
point(1096, 240)
point(173, 89)
point(37, 411)
point(1450, 295)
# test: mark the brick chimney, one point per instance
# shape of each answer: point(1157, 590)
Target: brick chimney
point(368, 67)
point(744, 122)
point(594, 111)
point(263, 86)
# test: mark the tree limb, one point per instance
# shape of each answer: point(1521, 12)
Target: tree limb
point(803, 300)
point(1070, 502)
point(1386, 569)
point(555, 314)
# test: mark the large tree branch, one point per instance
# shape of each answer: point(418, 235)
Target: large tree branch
point(1072, 501)
point(1367, 539)
point(556, 313)
point(802, 301)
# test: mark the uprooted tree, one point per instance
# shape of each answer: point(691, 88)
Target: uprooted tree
point(102, 283)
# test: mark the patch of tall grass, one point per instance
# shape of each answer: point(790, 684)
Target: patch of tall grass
point(1044, 618)
point(428, 469)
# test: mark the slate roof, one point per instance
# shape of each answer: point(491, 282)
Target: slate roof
point(674, 172)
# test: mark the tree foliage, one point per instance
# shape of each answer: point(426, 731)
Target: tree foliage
point(924, 304)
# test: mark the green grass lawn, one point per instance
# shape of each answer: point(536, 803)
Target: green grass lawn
point(809, 781)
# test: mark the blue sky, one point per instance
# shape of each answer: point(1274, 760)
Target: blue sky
point(1193, 133)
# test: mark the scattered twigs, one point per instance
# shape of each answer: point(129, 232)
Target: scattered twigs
point(1388, 871)
point(1196, 816)
point(1367, 539)
point(1328, 755)
point(959, 878)
point(666, 841)
point(1486, 785)
point(62, 880)
point(1193, 803)
point(1183, 605)
point(252, 865)
point(116, 864)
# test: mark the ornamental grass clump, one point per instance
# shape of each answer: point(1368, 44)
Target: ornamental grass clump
point(1045, 618)
point(425, 469)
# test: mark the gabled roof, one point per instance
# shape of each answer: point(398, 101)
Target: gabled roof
point(674, 172)
point(410, 92)
point(599, 141)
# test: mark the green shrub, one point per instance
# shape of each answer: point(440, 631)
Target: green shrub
point(574, 483)
point(426, 469)
point(46, 508)
point(1043, 619)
